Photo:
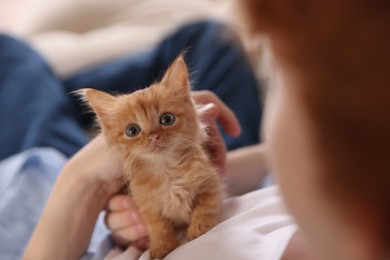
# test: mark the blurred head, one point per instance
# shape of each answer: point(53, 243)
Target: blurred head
point(327, 121)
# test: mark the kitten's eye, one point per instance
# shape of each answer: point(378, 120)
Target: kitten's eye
point(132, 130)
point(167, 119)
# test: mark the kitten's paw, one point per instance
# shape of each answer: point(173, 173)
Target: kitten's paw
point(155, 255)
point(158, 251)
point(158, 254)
point(197, 229)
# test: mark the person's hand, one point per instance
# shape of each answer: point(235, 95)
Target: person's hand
point(98, 161)
point(126, 223)
point(214, 110)
point(82, 191)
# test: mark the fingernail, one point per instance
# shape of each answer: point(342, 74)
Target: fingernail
point(141, 230)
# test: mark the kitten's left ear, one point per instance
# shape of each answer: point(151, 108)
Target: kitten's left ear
point(177, 75)
point(103, 104)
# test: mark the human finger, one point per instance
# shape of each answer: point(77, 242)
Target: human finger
point(216, 148)
point(116, 220)
point(208, 112)
point(120, 202)
point(142, 243)
point(113, 254)
point(130, 253)
point(214, 144)
point(126, 236)
point(224, 115)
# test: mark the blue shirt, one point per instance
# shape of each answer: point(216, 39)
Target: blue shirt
point(26, 181)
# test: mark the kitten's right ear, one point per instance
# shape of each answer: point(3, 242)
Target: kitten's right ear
point(103, 104)
point(176, 76)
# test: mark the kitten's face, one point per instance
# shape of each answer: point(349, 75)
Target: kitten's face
point(158, 120)
point(153, 121)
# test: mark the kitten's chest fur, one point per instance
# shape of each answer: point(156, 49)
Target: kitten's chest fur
point(169, 189)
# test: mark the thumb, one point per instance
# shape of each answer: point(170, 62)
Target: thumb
point(208, 112)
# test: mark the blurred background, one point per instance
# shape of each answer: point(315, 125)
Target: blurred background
point(76, 34)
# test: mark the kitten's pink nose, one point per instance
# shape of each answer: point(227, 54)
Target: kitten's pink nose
point(153, 137)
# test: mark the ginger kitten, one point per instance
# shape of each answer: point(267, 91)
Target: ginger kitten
point(170, 176)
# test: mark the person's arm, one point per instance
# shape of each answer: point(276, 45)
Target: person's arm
point(89, 180)
point(80, 193)
point(246, 168)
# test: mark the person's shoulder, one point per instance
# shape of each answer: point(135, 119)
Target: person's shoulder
point(265, 200)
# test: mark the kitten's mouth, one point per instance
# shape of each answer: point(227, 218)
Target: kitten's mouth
point(157, 148)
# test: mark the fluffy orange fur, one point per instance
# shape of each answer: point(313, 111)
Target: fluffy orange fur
point(170, 176)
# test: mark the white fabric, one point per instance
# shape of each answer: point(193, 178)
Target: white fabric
point(254, 226)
